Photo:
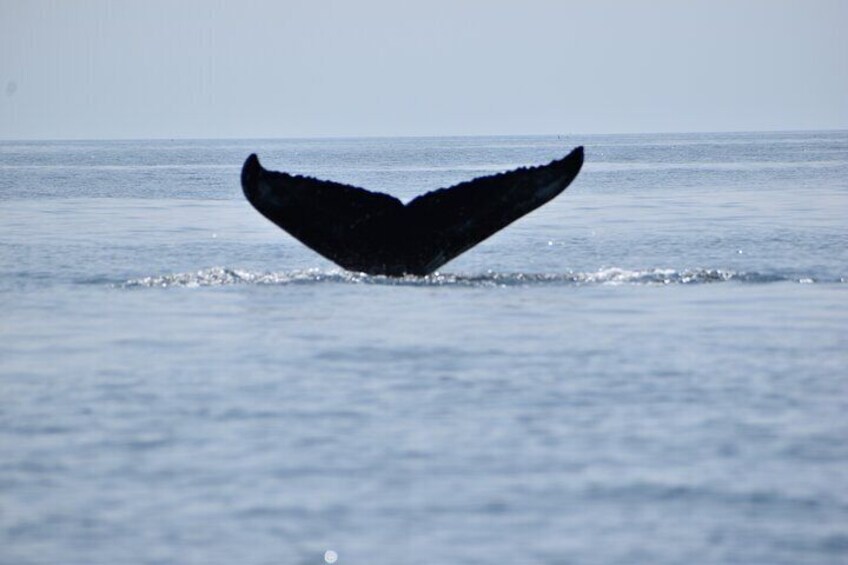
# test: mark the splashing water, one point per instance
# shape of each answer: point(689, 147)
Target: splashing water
point(222, 276)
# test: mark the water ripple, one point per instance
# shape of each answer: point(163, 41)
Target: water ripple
point(220, 276)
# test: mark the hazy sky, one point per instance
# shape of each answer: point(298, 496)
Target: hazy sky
point(163, 69)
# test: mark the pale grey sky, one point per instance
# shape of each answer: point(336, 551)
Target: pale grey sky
point(209, 69)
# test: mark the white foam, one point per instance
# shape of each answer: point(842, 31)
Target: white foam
point(221, 276)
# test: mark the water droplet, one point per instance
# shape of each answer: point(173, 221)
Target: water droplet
point(330, 556)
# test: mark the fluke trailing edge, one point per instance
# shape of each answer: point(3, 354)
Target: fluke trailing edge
point(377, 234)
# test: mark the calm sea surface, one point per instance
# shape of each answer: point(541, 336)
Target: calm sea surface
point(652, 368)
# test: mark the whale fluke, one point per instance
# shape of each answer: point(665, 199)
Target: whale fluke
point(377, 234)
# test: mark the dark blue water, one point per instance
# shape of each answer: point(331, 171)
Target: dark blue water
point(649, 369)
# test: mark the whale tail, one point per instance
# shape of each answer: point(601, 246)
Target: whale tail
point(375, 233)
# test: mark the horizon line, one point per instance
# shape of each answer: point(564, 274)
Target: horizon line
point(320, 137)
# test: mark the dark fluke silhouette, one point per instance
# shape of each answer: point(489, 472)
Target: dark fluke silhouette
point(377, 234)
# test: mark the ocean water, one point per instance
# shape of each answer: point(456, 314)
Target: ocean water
point(652, 368)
